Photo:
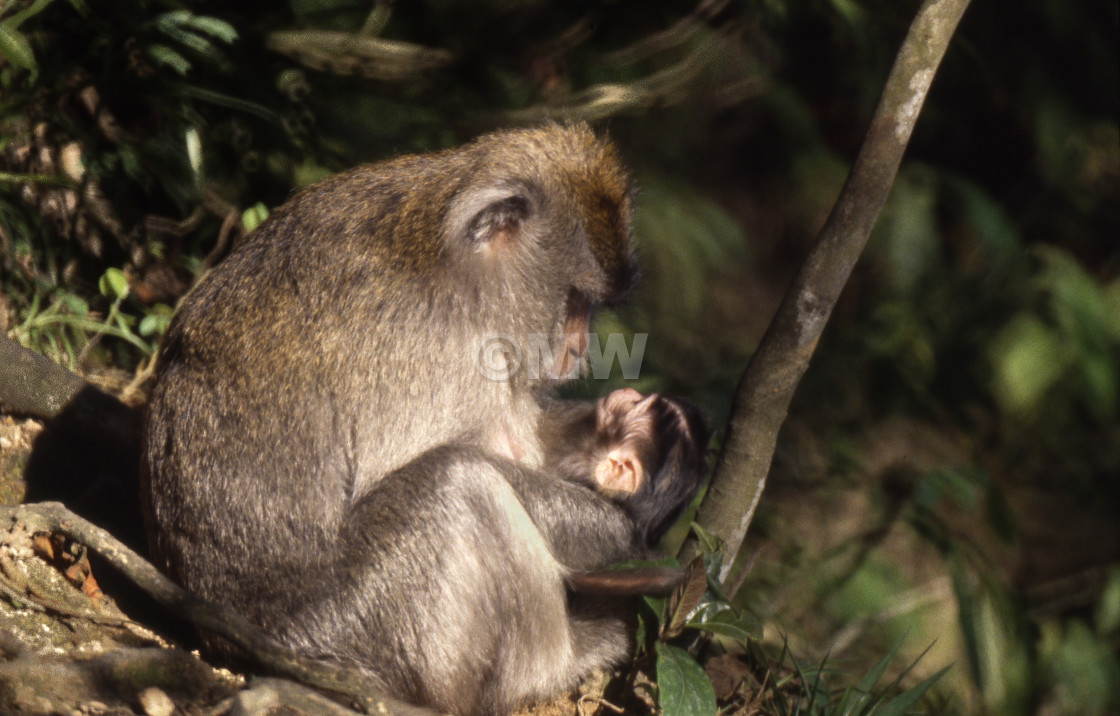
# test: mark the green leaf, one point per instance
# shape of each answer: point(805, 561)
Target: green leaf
point(725, 620)
point(1029, 358)
point(124, 321)
point(641, 632)
point(901, 704)
point(113, 284)
point(683, 689)
point(174, 21)
point(74, 304)
point(156, 321)
point(14, 46)
point(164, 55)
point(214, 27)
point(857, 697)
point(149, 325)
point(1098, 370)
point(36, 7)
point(254, 215)
point(708, 541)
point(184, 37)
point(1107, 616)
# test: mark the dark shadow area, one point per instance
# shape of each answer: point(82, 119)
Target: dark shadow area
point(88, 457)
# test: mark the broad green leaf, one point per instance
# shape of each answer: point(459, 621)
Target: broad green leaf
point(1099, 372)
point(1029, 358)
point(1077, 301)
point(153, 325)
point(1111, 299)
point(156, 321)
point(683, 689)
point(657, 604)
point(641, 632)
point(113, 283)
point(723, 619)
point(252, 217)
point(1083, 665)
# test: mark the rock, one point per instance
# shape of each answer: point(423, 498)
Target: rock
point(155, 702)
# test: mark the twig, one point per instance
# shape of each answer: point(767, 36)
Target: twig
point(597, 702)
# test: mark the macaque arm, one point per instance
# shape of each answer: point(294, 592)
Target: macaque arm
point(567, 431)
point(584, 530)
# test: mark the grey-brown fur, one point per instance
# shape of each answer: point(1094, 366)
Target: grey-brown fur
point(323, 454)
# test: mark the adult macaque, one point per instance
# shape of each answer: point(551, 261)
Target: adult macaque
point(324, 455)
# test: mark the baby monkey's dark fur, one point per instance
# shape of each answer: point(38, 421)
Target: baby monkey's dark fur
point(325, 454)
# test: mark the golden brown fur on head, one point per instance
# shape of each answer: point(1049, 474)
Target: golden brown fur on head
point(411, 214)
point(570, 161)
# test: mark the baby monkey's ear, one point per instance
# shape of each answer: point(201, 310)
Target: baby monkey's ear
point(620, 473)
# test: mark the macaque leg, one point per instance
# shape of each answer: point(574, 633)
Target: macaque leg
point(470, 553)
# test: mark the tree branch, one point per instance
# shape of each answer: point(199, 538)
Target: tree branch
point(31, 384)
point(763, 396)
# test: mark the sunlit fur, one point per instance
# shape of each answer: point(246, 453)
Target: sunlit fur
point(319, 448)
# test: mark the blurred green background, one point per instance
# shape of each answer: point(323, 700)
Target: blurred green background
point(950, 472)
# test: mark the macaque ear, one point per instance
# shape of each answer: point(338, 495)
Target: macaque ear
point(488, 215)
point(620, 472)
point(498, 221)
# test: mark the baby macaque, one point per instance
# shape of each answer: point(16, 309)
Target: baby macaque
point(645, 453)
